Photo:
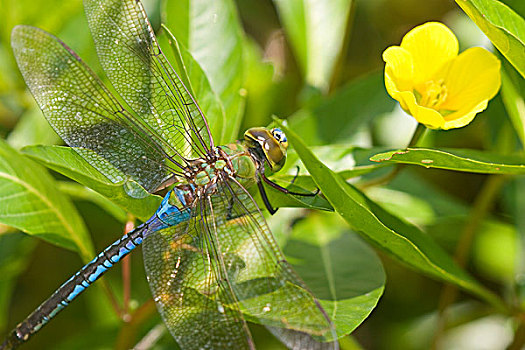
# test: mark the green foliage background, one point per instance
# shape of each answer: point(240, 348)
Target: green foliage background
point(318, 65)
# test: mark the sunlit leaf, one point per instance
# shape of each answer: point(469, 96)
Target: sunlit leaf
point(67, 162)
point(198, 84)
point(31, 203)
point(212, 33)
point(402, 241)
point(504, 27)
point(316, 31)
point(32, 129)
point(514, 104)
point(346, 160)
point(456, 159)
point(338, 267)
point(413, 209)
point(262, 90)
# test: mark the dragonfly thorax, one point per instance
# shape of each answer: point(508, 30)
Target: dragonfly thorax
point(203, 173)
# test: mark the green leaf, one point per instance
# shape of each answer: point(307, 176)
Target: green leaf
point(79, 192)
point(32, 129)
point(504, 27)
point(348, 161)
point(338, 267)
point(514, 104)
point(339, 157)
point(278, 199)
point(413, 209)
point(69, 163)
point(456, 159)
point(198, 84)
point(263, 92)
point(348, 109)
point(404, 242)
point(212, 33)
point(316, 32)
point(31, 203)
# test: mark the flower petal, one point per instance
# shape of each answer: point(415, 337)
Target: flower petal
point(399, 70)
point(427, 116)
point(464, 117)
point(431, 45)
point(474, 76)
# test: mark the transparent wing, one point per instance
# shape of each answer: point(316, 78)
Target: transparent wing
point(267, 289)
point(84, 113)
point(223, 266)
point(139, 71)
point(197, 306)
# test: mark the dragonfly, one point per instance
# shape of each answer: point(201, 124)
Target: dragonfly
point(210, 258)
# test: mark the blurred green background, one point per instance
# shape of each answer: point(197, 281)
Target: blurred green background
point(342, 105)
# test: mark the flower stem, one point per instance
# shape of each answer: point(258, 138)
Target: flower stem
point(420, 130)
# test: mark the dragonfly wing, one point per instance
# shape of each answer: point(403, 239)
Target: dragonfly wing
point(266, 287)
point(131, 57)
point(194, 302)
point(300, 340)
point(83, 112)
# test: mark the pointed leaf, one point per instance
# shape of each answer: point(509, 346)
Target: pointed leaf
point(69, 163)
point(504, 27)
point(514, 104)
point(197, 83)
point(31, 203)
point(338, 267)
point(212, 33)
point(403, 241)
point(316, 31)
point(456, 159)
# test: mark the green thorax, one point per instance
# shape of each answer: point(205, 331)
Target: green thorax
point(260, 149)
point(242, 161)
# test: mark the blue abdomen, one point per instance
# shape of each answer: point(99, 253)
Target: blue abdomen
point(172, 211)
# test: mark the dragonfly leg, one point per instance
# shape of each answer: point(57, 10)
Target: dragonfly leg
point(265, 199)
point(287, 191)
point(296, 174)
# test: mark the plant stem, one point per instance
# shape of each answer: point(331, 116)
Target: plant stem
point(519, 336)
point(420, 130)
point(128, 333)
point(481, 206)
point(111, 296)
point(126, 271)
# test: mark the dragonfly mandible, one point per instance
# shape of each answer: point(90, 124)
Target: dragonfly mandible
point(211, 260)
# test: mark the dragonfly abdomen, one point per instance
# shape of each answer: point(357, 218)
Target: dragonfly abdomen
point(75, 286)
point(173, 210)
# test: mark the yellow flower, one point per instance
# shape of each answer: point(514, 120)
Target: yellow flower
point(436, 86)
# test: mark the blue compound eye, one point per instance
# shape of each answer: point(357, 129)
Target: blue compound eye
point(279, 135)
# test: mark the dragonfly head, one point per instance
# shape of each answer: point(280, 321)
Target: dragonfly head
point(270, 143)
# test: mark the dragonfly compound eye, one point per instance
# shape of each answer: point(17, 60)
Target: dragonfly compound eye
point(280, 136)
point(272, 144)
